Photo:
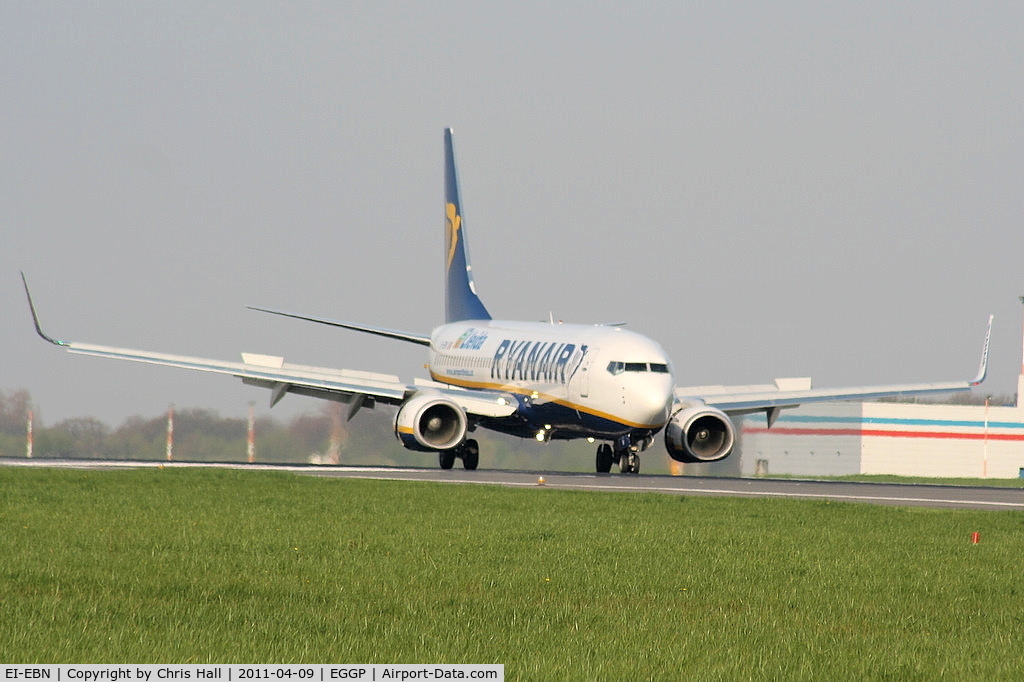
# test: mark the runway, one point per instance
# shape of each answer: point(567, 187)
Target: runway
point(914, 495)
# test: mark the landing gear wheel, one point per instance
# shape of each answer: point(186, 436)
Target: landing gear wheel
point(446, 458)
point(470, 452)
point(604, 458)
point(629, 463)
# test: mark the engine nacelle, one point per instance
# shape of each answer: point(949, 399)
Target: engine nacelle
point(699, 434)
point(429, 422)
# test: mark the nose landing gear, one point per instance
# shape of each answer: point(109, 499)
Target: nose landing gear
point(629, 462)
point(625, 454)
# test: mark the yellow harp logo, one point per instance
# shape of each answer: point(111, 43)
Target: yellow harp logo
point(454, 222)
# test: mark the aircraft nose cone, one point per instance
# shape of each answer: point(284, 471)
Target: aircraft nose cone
point(653, 405)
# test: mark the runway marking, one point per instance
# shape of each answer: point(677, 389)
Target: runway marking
point(723, 491)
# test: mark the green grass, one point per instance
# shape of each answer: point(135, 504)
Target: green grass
point(174, 565)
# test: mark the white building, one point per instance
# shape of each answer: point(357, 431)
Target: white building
point(901, 439)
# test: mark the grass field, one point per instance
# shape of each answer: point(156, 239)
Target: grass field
point(173, 565)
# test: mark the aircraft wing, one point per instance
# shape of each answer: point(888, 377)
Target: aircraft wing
point(355, 388)
point(267, 371)
point(785, 393)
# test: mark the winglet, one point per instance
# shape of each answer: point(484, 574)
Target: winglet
point(461, 300)
point(35, 317)
point(983, 366)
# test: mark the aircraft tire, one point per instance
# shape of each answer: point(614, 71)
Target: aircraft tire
point(470, 451)
point(604, 458)
point(446, 458)
point(629, 463)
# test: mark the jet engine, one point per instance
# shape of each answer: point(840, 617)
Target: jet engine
point(698, 433)
point(430, 422)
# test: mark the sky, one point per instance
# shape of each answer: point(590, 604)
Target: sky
point(767, 189)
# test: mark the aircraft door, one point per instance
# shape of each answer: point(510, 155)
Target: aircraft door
point(580, 382)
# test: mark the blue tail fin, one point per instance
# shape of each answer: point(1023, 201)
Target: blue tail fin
point(461, 301)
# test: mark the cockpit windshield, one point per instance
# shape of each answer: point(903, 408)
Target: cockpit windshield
point(617, 367)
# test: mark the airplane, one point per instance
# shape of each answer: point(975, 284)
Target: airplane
point(538, 380)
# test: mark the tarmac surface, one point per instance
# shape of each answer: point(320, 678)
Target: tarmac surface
point(898, 494)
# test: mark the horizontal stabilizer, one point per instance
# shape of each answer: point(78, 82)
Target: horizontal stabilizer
point(379, 331)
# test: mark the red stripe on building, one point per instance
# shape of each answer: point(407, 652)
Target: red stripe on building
point(881, 433)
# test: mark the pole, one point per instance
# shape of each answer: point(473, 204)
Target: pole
point(251, 442)
point(170, 433)
point(28, 443)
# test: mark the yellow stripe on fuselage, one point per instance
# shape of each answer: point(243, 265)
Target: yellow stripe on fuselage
point(518, 390)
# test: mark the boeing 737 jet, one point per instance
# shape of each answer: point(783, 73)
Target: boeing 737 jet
point(536, 380)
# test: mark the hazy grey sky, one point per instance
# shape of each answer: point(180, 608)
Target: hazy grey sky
point(767, 189)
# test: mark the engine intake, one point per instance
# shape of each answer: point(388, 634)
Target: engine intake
point(430, 423)
point(699, 434)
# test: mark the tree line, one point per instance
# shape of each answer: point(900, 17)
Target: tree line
point(321, 436)
point(199, 435)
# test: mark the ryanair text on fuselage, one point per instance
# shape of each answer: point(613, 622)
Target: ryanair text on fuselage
point(536, 361)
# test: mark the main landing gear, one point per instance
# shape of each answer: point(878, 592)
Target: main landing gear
point(468, 452)
point(626, 457)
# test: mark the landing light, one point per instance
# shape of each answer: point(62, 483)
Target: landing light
point(541, 436)
point(590, 439)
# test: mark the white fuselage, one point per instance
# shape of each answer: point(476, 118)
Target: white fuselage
point(571, 380)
